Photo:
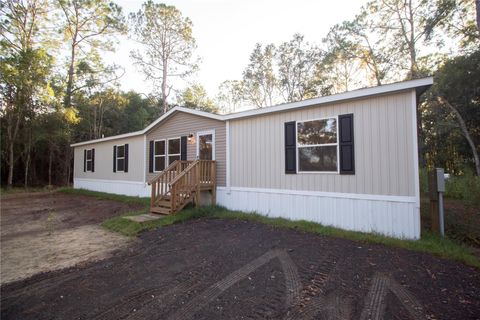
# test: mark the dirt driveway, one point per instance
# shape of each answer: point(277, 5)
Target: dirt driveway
point(47, 231)
point(227, 269)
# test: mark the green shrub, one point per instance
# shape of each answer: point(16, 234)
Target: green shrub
point(464, 187)
point(423, 181)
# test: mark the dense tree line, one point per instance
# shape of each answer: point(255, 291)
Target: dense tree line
point(56, 89)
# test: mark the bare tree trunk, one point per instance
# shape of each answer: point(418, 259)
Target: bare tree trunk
point(413, 53)
point(464, 128)
point(68, 157)
point(71, 70)
point(50, 159)
point(27, 168)
point(12, 137)
point(10, 165)
point(477, 3)
point(164, 86)
point(27, 161)
point(95, 135)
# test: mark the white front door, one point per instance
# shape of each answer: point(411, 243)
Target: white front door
point(206, 145)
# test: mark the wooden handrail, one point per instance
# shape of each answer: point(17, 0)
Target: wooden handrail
point(184, 172)
point(190, 181)
point(162, 173)
point(181, 183)
point(160, 182)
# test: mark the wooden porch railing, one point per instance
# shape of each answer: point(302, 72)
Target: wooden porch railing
point(160, 183)
point(181, 184)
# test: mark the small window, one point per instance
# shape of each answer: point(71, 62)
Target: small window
point(317, 145)
point(89, 160)
point(173, 150)
point(159, 155)
point(121, 158)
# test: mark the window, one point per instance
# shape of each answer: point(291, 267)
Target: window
point(159, 155)
point(121, 158)
point(89, 160)
point(317, 145)
point(173, 150)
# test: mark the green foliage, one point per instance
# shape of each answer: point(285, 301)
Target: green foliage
point(230, 95)
point(300, 71)
point(457, 82)
point(463, 186)
point(196, 97)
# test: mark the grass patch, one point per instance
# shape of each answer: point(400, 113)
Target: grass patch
point(107, 196)
point(17, 190)
point(429, 243)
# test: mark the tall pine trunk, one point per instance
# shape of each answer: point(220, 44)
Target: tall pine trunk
point(164, 86)
point(10, 164)
point(50, 160)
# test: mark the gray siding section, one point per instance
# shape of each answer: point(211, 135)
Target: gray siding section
point(182, 124)
point(104, 160)
point(384, 151)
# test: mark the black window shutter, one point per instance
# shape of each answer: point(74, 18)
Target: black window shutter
point(84, 160)
point(93, 160)
point(114, 158)
point(347, 150)
point(183, 148)
point(125, 168)
point(290, 146)
point(150, 158)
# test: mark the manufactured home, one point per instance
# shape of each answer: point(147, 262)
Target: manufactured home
point(348, 160)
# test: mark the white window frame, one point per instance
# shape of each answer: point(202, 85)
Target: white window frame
point(120, 158)
point(88, 160)
point(297, 146)
point(173, 154)
point(202, 133)
point(159, 156)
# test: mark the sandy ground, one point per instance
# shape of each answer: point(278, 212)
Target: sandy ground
point(41, 232)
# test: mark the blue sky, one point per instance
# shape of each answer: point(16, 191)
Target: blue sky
point(226, 32)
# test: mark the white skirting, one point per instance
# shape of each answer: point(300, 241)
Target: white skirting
point(395, 216)
point(128, 188)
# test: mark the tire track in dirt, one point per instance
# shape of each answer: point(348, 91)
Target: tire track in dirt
point(280, 297)
point(410, 303)
point(293, 286)
point(313, 297)
point(201, 300)
point(139, 305)
point(376, 301)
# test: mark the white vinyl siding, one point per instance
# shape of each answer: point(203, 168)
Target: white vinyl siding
point(183, 124)
point(104, 160)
